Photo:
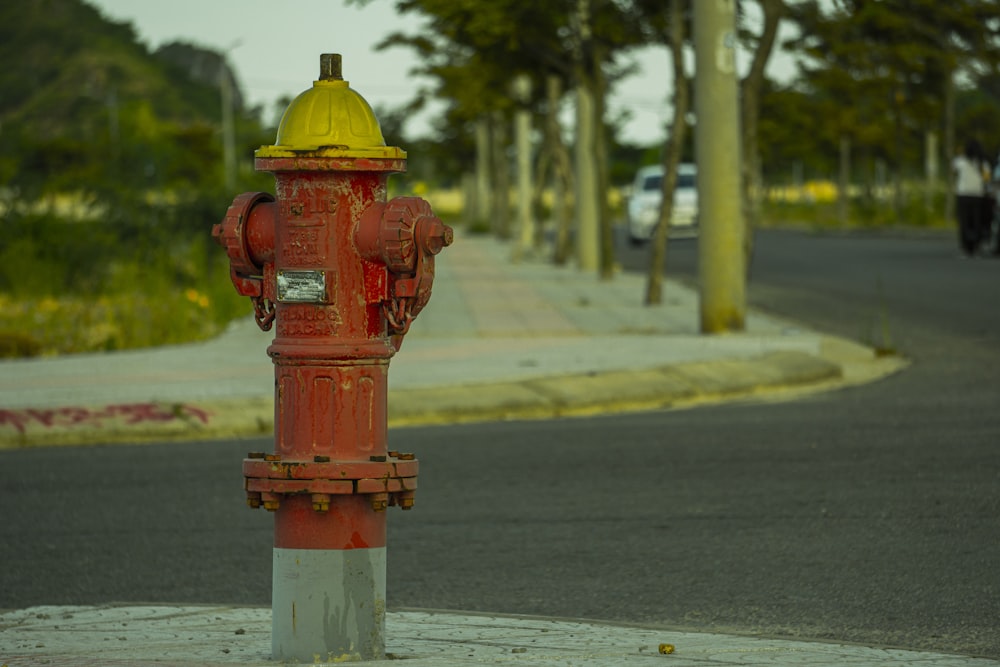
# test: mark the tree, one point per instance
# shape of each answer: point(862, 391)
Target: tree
point(895, 62)
point(86, 108)
point(472, 51)
point(670, 30)
point(474, 48)
point(674, 36)
point(554, 157)
point(750, 93)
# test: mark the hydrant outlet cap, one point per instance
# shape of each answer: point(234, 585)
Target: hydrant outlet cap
point(330, 114)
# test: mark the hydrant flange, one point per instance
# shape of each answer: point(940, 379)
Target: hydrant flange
point(394, 478)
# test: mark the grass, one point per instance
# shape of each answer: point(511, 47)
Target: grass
point(72, 287)
point(52, 325)
point(862, 213)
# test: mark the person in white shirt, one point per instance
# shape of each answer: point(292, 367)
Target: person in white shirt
point(970, 195)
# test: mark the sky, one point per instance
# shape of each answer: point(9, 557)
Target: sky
point(275, 47)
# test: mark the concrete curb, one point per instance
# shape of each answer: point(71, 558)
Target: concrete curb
point(609, 392)
point(770, 375)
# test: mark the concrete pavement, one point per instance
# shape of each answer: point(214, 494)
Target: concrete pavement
point(207, 636)
point(498, 341)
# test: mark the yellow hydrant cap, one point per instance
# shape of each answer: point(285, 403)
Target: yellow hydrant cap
point(330, 115)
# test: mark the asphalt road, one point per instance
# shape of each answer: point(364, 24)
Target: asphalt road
point(869, 515)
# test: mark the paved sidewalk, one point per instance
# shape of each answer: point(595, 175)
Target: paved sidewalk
point(206, 636)
point(497, 341)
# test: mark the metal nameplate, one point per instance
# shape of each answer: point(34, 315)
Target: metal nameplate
point(302, 286)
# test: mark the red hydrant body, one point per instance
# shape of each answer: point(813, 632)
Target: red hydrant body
point(341, 272)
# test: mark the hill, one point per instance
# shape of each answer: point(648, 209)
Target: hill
point(83, 101)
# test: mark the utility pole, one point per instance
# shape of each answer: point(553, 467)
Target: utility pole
point(717, 146)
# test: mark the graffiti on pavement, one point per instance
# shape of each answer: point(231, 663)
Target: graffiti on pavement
point(132, 413)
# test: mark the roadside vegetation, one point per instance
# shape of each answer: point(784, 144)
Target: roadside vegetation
point(111, 155)
point(110, 180)
point(70, 286)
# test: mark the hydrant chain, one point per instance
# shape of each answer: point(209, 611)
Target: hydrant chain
point(264, 312)
point(398, 315)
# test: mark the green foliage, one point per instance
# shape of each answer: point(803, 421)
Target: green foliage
point(114, 282)
point(122, 320)
point(863, 212)
point(872, 72)
point(473, 50)
point(878, 73)
point(85, 107)
point(110, 180)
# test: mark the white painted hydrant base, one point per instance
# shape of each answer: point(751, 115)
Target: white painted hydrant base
point(322, 607)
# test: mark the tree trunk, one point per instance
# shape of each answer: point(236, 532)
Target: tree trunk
point(897, 167)
point(605, 229)
point(931, 171)
point(562, 172)
point(949, 144)
point(501, 176)
point(543, 179)
point(554, 168)
point(844, 180)
point(586, 182)
point(522, 131)
point(671, 156)
point(587, 251)
point(481, 212)
point(470, 202)
point(753, 187)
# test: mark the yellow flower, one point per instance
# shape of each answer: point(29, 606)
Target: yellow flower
point(48, 305)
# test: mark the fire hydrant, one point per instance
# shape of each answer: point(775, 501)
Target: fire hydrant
point(341, 273)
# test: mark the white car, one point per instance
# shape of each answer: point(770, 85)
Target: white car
point(643, 208)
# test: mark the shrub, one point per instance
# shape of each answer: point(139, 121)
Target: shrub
point(105, 284)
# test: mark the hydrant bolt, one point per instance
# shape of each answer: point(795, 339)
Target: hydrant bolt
point(321, 502)
point(380, 501)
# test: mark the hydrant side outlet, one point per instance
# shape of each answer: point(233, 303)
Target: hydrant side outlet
point(340, 272)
